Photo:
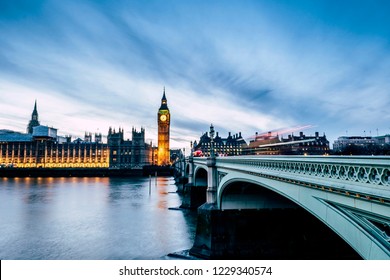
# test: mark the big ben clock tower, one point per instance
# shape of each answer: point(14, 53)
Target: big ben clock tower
point(163, 121)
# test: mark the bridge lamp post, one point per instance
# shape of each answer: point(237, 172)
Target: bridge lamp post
point(209, 216)
point(211, 194)
point(191, 165)
point(183, 163)
point(212, 154)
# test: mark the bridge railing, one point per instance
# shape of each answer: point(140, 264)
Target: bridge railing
point(370, 172)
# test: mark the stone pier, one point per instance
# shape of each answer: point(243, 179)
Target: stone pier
point(193, 195)
point(283, 234)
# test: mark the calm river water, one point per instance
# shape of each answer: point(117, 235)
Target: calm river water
point(92, 218)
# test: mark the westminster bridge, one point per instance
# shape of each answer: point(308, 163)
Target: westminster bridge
point(251, 205)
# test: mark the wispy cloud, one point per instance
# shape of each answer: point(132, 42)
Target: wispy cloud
point(247, 67)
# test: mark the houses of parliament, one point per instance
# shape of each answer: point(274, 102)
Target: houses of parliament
point(41, 147)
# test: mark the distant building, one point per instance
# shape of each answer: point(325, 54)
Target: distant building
point(10, 136)
point(269, 144)
point(41, 147)
point(263, 144)
point(133, 153)
point(44, 132)
point(383, 140)
point(232, 145)
point(344, 142)
point(362, 145)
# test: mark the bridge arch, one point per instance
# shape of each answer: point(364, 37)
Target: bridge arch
point(187, 170)
point(200, 176)
point(248, 194)
point(319, 204)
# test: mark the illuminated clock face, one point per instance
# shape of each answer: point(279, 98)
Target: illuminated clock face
point(163, 118)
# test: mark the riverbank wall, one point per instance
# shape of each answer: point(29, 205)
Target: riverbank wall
point(85, 172)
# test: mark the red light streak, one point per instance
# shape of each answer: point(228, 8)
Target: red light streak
point(280, 131)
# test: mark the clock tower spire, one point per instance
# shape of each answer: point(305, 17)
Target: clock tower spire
point(163, 121)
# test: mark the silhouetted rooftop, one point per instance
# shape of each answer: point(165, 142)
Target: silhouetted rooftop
point(15, 137)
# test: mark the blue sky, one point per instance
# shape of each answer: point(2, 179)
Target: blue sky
point(244, 66)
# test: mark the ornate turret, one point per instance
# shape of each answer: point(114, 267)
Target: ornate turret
point(34, 120)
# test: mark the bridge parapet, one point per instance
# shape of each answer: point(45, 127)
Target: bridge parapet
point(361, 176)
point(368, 170)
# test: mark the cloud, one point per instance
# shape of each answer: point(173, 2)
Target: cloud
point(243, 67)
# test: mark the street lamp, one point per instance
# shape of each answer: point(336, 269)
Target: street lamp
point(212, 141)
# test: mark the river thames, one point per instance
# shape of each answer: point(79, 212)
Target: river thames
point(92, 218)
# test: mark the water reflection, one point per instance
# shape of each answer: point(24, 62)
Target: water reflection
point(92, 218)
